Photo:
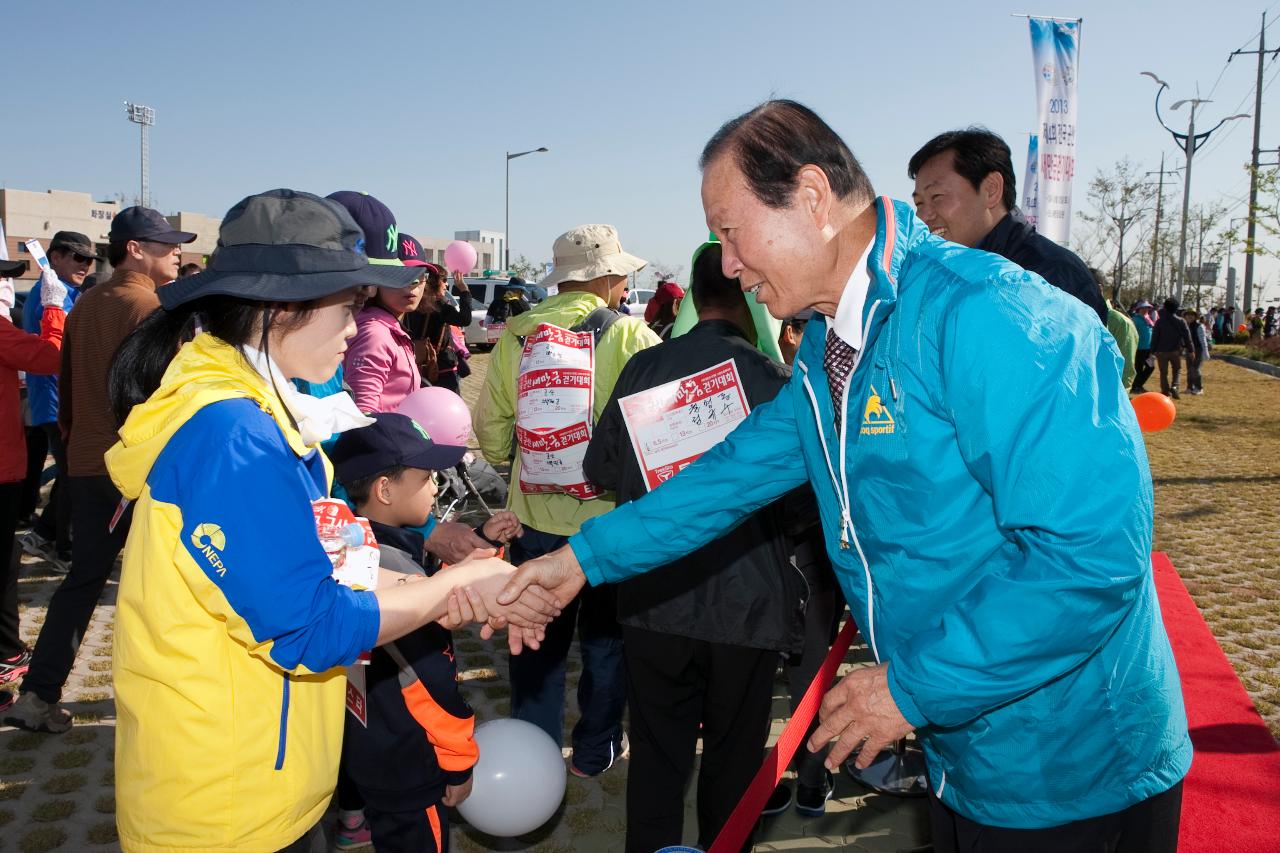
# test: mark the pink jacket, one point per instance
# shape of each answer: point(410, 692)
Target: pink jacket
point(380, 367)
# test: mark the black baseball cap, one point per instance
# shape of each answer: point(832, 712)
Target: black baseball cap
point(286, 246)
point(143, 223)
point(12, 269)
point(74, 241)
point(393, 440)
point(382, 237)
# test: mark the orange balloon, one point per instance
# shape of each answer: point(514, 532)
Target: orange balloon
point(1155, 411)
point(1240, 328)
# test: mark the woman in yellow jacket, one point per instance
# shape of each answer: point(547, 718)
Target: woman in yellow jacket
point(231, 633)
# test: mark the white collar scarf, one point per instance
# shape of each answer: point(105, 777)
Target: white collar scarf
point(318, 418)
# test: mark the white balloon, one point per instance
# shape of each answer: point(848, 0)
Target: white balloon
point(518, 781)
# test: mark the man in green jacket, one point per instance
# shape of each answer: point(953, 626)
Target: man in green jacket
point(590, 270)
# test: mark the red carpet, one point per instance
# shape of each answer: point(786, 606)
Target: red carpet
point(1231, 800)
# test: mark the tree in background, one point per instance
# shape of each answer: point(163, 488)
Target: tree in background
point(1118, 226)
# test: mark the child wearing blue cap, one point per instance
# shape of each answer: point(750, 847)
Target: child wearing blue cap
point(408, 744)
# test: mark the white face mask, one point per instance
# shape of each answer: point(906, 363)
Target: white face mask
point(318, 418)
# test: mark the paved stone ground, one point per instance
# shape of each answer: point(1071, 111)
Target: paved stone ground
point(1217, 475)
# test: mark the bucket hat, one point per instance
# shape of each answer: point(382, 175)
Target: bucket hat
point(588, 252)
point(286, 246)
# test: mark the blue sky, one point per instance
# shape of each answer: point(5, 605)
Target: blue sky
point(418, 102)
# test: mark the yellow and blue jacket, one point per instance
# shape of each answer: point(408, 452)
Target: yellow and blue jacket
point(230, 633)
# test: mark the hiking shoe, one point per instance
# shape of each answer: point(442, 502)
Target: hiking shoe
point(11, 669)
point(350, 837)
point(34, 714)
point(1195, 392)
point(622, 752)
point(37, 546)
point(1173, 392)
point(811, 801)
point(779, 801)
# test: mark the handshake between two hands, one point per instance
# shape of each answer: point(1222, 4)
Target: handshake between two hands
point(491, 591)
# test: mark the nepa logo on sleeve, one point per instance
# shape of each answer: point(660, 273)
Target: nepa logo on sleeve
point(209, 540)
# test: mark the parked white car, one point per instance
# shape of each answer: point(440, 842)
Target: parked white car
point(638, 300)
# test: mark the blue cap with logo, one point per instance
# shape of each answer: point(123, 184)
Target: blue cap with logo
point(393, 440)
point(381, 236)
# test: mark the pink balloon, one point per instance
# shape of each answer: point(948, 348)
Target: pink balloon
point(441, 413)
point(460, 256)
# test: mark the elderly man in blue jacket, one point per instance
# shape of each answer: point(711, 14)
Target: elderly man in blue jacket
point(951, 412)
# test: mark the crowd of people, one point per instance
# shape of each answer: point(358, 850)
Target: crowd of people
point(692, 509)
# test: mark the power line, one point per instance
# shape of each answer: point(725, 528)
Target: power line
point(1217, 143)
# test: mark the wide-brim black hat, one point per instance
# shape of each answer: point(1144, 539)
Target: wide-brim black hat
point(287, 246)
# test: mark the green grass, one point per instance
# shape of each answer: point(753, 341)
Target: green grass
point(103, 833)
point(25, 741)
point(12, 790)
point(63, 783)
point(72, 758)
point(42, 839)
point(51, 810)
point(79, 737)
point(106, 804)
point(12, 765)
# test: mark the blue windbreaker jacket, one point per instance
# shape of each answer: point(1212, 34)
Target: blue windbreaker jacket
point(42, 389)
point(988, 512)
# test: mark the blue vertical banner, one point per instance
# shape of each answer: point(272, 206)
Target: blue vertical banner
point(1031, 182)
point(1055, 53)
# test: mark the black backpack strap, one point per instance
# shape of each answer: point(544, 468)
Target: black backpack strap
point(598, 322)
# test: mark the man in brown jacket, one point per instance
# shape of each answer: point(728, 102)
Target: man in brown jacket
point(145, 251)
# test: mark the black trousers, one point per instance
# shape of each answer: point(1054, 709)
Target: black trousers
point(675, 685)
point(37, 452)
point(54, 523)
point(1143, 369)
point(1150, 826)
point(93, 504)
point(10, 641)
point(420, 831)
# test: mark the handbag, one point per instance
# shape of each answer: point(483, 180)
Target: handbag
point(427, 354)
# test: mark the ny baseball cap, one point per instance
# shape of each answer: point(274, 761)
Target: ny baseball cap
point(411, 252)
point(381, 236)
point(143, 223)
point(393, 440)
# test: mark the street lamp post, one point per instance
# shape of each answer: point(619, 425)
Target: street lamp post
point(144, 117)
point(506, 234)
point(1190, 141)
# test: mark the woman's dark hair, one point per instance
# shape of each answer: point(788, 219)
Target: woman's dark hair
point(708, 285)
point(772, 142)
point(978, 152)
point(144, 355)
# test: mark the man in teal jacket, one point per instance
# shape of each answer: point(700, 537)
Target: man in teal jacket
point(951, 412)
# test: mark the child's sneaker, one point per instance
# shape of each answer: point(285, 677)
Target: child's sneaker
point(11, 669)
point(353, 834)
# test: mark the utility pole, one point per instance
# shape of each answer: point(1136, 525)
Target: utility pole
point(1253, 170)
point(1155, 233)
point(1190, 142)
